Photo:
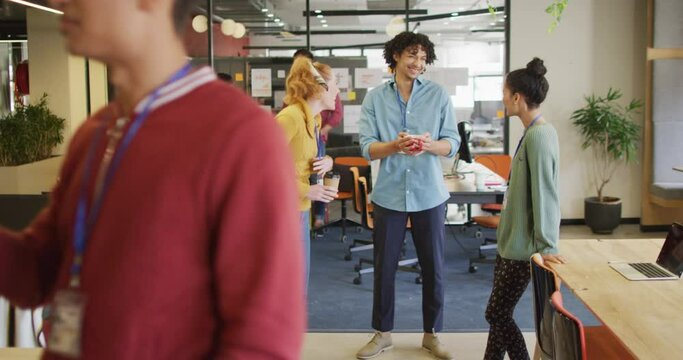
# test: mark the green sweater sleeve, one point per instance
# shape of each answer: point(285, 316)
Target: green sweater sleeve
point(543, 156)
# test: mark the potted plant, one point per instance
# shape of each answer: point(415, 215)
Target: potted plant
point(608, 129)
point(28, 137)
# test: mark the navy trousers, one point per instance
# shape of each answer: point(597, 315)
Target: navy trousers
point(428, 237)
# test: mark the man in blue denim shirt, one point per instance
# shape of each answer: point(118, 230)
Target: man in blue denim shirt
point(408, 123)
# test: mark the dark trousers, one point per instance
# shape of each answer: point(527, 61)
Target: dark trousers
point(510, 279)
point(428, 237)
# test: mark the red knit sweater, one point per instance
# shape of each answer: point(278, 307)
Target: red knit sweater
point(196, 252)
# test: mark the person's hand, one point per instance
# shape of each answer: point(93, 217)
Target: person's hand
point(427, 142)
point(321, 166)
point(407, 144)
point(322, 193)
point(557, 259)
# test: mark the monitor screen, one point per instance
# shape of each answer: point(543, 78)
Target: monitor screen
point(671, 256)
point(465, 131)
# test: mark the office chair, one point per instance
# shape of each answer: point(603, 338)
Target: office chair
point(544, 283)
point(499, 164)
point(358, 244)
point(346, 190)
point(409, 265)
point(573, 341)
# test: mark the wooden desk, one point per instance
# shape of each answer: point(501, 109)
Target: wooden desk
point(645, 315)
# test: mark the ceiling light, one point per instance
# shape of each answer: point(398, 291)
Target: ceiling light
point(438, 34)
point(324, 25)
point(200, 23)
point(41, 7)
point(492, 24)
point(395, 26)
point(277, 19)
point(264, 10)
point(455, 14)
point(228, 27)
point(270, 15)
point(318, 11)
point(240, 30)
point(323, 21)
point(319, 16)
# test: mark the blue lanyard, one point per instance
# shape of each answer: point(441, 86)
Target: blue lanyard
point(522, 139)
point(85, 218)
point(404, 115)
point(525, 130)
point(319, 140)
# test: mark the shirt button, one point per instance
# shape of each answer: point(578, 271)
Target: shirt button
point(408, 170)
point(408, 112)
point(407, 191)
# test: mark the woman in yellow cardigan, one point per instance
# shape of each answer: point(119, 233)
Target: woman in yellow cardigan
point(310, 89)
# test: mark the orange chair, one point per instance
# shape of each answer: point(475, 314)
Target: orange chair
point(499, 164)
point(342, 166)
point(573, 341)
point(409, 265)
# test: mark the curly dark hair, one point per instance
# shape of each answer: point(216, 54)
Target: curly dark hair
point(407, 40)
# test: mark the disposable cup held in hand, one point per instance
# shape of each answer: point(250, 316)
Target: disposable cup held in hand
point(332, 180)
point(417, 145)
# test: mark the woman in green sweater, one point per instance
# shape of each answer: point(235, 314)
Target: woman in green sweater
point(530, 219)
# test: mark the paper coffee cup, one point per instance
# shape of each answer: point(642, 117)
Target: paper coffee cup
point(332, 181)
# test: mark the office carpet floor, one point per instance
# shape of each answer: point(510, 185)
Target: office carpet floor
point(335, 304)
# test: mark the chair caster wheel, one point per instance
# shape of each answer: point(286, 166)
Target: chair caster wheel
point(347, 257)
point(325, 230)
point(343, 238)
point(418, 280)
point(478, 235)
point(359, 229)
point(472, 269)
point(357, 281)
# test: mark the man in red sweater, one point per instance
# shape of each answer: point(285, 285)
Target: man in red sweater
point(153, 244)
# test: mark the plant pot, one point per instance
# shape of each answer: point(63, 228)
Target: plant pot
point(602, 217)
point(32, 178)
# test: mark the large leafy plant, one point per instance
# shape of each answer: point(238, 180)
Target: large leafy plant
point(608, 129)
point(29, 134)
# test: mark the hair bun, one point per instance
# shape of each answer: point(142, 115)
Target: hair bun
point(536, 67)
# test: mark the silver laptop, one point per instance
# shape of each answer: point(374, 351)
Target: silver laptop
point(669, 265)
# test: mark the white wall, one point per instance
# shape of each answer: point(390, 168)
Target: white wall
point(598, 44)
point(54, 72)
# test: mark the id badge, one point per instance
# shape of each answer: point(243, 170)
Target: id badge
point(66, 323)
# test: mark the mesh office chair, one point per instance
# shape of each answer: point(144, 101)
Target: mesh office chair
point(573, 341)
point(544, 282)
